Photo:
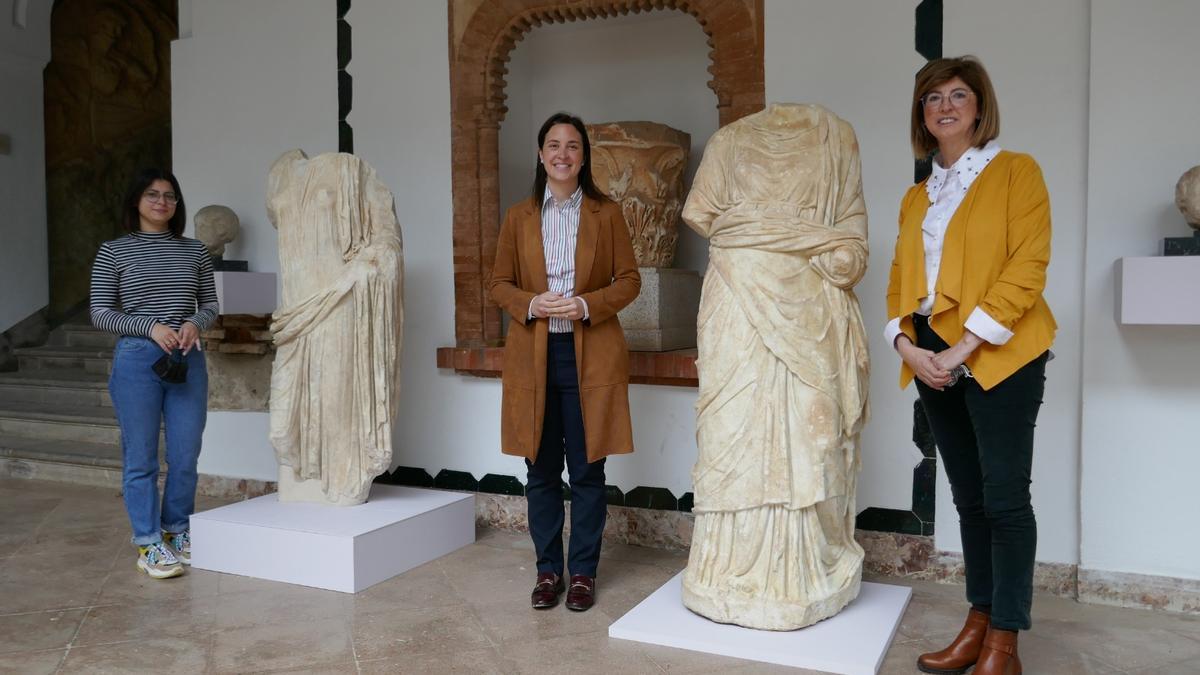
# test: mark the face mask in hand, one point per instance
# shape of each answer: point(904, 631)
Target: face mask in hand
point(170, 369)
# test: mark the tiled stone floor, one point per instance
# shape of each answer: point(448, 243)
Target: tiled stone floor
point(72, 601)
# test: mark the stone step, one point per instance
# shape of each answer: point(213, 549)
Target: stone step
point(88, 424)
point(77, 335)
point(93, 360)
point(81, 453)
point(60, 387)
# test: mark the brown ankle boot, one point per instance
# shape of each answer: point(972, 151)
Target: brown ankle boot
point(999, 655)
point(962, 653)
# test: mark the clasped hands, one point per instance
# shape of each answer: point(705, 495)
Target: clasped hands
point(933, 368)
point(554, 305)
point(185, 338)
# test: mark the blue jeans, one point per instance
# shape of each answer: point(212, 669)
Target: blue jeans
point(143, 402)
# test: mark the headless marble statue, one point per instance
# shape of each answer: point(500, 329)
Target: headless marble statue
point(336, 377)
point(782, 359)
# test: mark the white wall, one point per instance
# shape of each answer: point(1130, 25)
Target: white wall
point(235, 444)
point(401, 120)
point(518, 130)
point(1043, 94)
point(651, 66)
point(24, 52)
point(869, 88)
point(1076, 93)
point(448, 420)
point(252, 81)
point(1141, 384)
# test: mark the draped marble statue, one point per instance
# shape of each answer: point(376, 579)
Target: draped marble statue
point(782, 359)
point(336, 378)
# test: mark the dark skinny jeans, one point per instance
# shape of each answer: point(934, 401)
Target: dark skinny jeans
point(985, 439)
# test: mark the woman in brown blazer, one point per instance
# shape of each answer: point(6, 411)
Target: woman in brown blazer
point(564, 268)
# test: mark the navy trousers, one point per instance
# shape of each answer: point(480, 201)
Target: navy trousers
point(985, 439)
point(563, 438)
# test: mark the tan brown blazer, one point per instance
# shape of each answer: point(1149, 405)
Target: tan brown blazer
point(606, 277)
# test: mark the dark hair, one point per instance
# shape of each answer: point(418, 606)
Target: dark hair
point(972, 73)
point(131, 219)
point(585, 172)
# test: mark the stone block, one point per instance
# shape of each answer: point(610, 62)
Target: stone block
point(239, 381)
point(663, 317)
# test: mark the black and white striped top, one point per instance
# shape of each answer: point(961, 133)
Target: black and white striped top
point(152, 277)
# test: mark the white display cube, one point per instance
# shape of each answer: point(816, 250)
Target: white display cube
point(852, 642)
point(339, 548)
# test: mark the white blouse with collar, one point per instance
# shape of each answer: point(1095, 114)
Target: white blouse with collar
point(946, 188)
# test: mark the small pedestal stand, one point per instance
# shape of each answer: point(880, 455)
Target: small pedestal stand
point(344, 549)
point(853, 642)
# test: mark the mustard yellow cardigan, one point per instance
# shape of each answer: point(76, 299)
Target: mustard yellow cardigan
point(995, 255)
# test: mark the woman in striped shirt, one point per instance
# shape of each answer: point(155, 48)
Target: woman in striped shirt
point(154, 288)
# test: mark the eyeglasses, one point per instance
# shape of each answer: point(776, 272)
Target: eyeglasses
point(155, 196)
point(958, 98)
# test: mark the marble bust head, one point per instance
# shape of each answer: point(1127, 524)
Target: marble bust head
point(216, 226)
point(1187, 196)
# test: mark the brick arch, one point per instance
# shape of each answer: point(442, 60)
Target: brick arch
point(483, 34)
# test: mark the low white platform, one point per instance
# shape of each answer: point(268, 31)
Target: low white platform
point(343, 549)
point(853, 642)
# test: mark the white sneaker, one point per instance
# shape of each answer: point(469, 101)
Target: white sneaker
point(159, 561)
point(181, 545)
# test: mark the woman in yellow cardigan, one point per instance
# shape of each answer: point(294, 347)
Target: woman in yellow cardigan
point(967, 317)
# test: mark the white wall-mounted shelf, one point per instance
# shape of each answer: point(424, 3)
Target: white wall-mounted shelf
point(1160, 290)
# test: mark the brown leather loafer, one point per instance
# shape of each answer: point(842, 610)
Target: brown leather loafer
point(962, 653)
point(546, 591)
point(581, 595)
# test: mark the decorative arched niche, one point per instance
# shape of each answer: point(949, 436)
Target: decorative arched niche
point(482, 35)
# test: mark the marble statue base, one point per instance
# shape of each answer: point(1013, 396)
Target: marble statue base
point(663, 317)
point(345, 549)
point(853, 642)
point(292, 490)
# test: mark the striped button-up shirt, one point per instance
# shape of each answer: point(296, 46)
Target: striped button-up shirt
point(560, 230)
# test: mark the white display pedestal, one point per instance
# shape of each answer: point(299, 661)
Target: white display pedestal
point(853, 642)
point(246, 292)
point(340, 548)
